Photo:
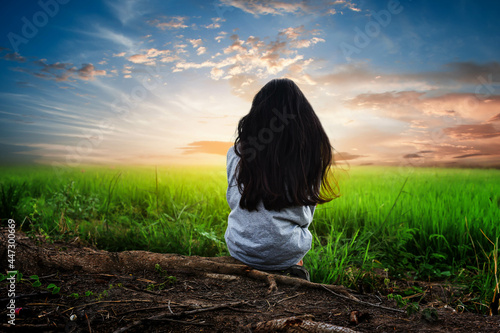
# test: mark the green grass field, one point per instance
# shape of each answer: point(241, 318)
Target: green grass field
point(424, 224)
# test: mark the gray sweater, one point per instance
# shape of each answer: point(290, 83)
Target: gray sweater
point(264, 239)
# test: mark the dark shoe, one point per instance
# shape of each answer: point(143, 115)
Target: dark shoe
point(299, 271)
point(294, 271)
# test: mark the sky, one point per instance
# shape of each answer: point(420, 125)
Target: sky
point(161, 82)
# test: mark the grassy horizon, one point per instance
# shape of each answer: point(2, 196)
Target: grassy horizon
point(426, 224)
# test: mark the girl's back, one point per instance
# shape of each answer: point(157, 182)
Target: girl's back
point(277, 173)
point(265, 239)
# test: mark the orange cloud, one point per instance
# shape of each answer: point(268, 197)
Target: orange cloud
point(151, 56)
point(293, 35)
point(88, 71)
point(345, 156)
point(408, 105)
point(473, 131)
point(63, 71)
point(208, 147)
point(495, 118)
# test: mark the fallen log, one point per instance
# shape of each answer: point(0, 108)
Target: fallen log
point(31, 258)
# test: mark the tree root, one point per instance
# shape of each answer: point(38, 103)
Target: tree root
point(30, 258)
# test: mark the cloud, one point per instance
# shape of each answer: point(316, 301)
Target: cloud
point(476, 151)
point(472, 72)
point(195, 42)
point(175, 22)
point(124, 10)
point(297, 7)
point(220, 36)
point(303, 43)
point(115, 37)
point(345, 156)
point(489, 148)
point(180, 49)
point(264, 7)
point(438, 127)
point(151, 56)
point(88, 71)
point(344, 4)
point(293, 35)
point(473, 131)
point(57, 71)
point(352, 73)
point(14, 57)
point(207, 147)
point(494, 118)
point(249, 60)
point(127, 70)
point(180, 66)
point(215, 23)
point(245, 63)
point(245, 85)
point(409, 156)
point(484, 77)
point(248, 57)
point(470, 155)
point(413, 106)
point(402, 105)
point(387, 98)
point(63, 71)
point(216, 73)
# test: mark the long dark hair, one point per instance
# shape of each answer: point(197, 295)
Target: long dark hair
point(285, 154)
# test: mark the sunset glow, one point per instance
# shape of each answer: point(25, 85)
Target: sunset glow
point(165, 82)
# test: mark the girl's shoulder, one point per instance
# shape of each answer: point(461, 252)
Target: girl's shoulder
point(231, 154)
point(231, 161)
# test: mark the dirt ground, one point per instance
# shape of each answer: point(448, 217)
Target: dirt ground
point(179, 300)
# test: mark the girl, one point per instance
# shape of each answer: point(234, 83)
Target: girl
point(277, 173)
